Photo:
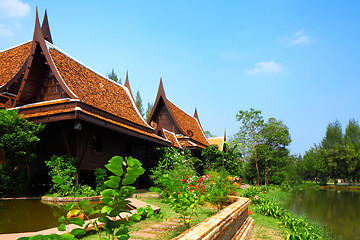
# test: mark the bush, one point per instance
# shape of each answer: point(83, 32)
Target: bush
point(18, 140)
point(220, 187)
point(100, 177)
point(277, 178)
point(62, 171)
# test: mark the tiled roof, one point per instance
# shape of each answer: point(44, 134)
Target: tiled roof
point(172, 138)
point(189, 124)
point(11, 61)
point(98, 91)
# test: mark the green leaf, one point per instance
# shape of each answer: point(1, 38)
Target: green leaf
point(62, 227)
point(141, 211)
point(61, 219)
point(106, 209)
point(149, 210)
point(83, 203)
point(64, 187)
point(136, 217)
point(130, 161)
point(122, 231)
point(68, 236)
point(57, 179)
point(103, 219)
point(78, 231)
point(115, 165)
point(91, 211)
point(107, 193)
point(113, 182)
point(23, 238)
point(69, 206)
point(78, 221)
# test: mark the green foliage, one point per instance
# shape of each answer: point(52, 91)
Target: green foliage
point(183, 196)
point(250, 134)
point(148, 110)
point(18, 140)
point(139, 104)
point(100, 177)
point(113, 76)
point(62, 171)
point(125, 171)
point(219, 186)
point(173, 161)
point(299, 228)
point(229, 159)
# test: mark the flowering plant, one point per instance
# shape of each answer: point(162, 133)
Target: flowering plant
point(220, 187)
point(183, 196)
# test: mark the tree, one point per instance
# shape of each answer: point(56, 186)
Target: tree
point(333, 148)
point(250, 133)
point(352, 149)
point(113, 76)
point(208, 134)
point(139, 104)
point(275, 140)
point(18, 140)
point(148, 110)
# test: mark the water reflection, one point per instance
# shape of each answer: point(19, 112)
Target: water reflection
point(338, 210)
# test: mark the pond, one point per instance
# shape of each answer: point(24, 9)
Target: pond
point(338, 210)
point(18, 216)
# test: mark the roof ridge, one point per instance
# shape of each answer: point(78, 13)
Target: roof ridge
point(7, 49)
point(104, 77)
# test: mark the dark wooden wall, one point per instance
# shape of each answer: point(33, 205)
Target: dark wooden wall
point(164, 120)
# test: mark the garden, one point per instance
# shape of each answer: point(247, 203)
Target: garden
point(188, 189)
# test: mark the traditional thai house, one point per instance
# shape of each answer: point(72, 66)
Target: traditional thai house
point(170, 122)
point(87, 115)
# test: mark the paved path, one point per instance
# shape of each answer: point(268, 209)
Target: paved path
point(152, 231)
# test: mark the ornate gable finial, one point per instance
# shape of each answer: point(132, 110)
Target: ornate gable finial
point(46, 28)
point(196, 115)
point(127, 84)
point(161, 90)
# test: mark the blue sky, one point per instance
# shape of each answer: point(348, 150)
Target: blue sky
point(297, 61)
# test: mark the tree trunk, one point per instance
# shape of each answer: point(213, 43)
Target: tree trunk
point(257, 167)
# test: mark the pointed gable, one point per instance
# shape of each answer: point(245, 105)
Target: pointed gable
point(165, 115)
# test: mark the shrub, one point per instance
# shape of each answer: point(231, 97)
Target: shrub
point(18, 142)
point(219, 187)
point(100, 178)
point(62, 171)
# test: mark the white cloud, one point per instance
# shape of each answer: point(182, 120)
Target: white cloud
point(266, 67)
point(14, 8)
point(4, 31)
point(300, 38)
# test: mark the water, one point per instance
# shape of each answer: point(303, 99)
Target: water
point(338, 210)
point(28, 216)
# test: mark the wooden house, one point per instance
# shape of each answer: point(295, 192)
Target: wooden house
point(87, 115)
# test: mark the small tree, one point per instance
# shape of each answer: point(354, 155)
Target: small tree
point(18, 139)
point(139, 104)
point(148, 110)
point(113, 76)
point(250, 133)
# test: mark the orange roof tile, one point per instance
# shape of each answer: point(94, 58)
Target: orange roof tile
point(98, 91)
point(172, 138)
point(189, 124)
point(11, 61)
